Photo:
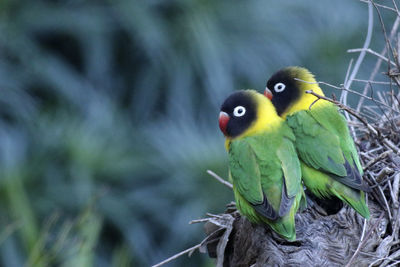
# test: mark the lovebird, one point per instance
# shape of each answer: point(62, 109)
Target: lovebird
point(329, 161)
point(263, 164)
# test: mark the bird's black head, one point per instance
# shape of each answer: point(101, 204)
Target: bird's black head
point(284, 90)
point(238, 112)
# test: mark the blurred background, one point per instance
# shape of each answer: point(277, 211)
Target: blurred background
point(108, 115)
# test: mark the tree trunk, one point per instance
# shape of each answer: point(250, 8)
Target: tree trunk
point(321, 241)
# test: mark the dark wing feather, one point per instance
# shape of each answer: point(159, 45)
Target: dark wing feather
point(266, 210)
point(353, 178)
point(286, 201)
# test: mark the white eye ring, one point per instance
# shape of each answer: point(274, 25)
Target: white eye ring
point(279, 87)
point(239, 111)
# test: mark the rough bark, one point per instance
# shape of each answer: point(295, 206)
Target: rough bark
point(321, 241)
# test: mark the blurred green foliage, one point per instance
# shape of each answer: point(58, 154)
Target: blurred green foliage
point(108, 116)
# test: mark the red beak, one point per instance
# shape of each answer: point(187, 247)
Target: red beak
point(268, 93)
point(223, 121)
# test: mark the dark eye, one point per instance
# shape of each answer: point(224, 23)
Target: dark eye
point(279, 87)
point(239, 111)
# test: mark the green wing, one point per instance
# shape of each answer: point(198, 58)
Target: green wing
point(290, 166)
point(246, 177)
point(266, 171)
point(330, 118)
point(323, 142)
point(291, 173)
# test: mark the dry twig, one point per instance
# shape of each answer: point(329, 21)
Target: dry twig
point(178, 255)
point(364, 240)
point(219, 179)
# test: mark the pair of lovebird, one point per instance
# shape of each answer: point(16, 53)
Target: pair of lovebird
point(283, 139)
